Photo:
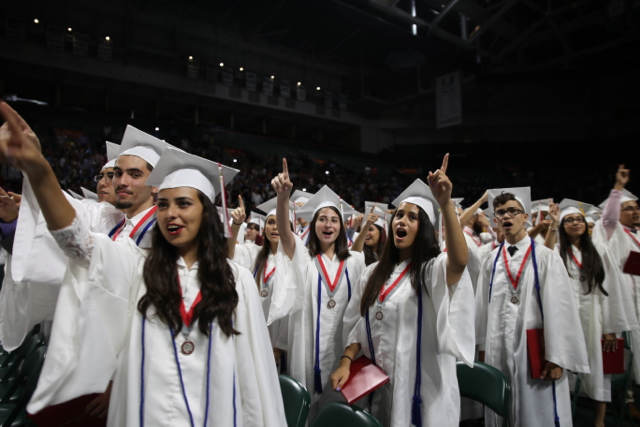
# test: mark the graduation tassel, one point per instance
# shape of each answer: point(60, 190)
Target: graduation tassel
point(317, 380)
point(225, 213)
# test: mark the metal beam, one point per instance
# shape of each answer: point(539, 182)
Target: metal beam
point(484, 27)
point(264, 22)
point(444, 12)
point(342, 42)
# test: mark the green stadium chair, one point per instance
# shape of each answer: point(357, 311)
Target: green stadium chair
point(296, 401)
point(337, 414)
point(487, 385)
point(10, 373)
point(13, 414)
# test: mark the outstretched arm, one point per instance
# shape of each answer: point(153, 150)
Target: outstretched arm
point(282, 185)
point(457, 252)
point(238, 215)
point(611, 214)
point(468, 214)
point(552, 233)
point(358, 244)
point(20, 147)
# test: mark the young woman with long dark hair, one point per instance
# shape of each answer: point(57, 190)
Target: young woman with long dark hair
point(179, 324)
point(323, 275)
point(596, 283)
point(412, 313)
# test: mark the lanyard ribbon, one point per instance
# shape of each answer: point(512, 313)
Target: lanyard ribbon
point(266, 276)
point(140, 229)
point(515, 281)
point(322, 271)
point(416, 416)
point(473, 237)
point(184, 393)
point(317, 378)
point(632, 236)
point(384, 293)
point(539, 298)
point(574, 258)
point(187, 316)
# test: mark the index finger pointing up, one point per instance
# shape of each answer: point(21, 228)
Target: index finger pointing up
point(445, 163)
point(285, 169)
point(241, 202)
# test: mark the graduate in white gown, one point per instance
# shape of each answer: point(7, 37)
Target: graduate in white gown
point(597, 284)
point(412, 312)
point(516, 278)
point(323, 276)
point(126, 310)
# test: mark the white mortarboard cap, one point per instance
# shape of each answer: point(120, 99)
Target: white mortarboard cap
point(112, 154)
point(325, 197)
point(89, 195)
point(595, 213)
point(522, 195)
point(457, 201)
point(538, 205)
point(378, 208)
point(141, 144)
point(75, 195)
point(257, 219)
point(570, 206)
point(269, 208)
point(301, 196)
point(626, 196)
point(419, 194)
point(177, 168)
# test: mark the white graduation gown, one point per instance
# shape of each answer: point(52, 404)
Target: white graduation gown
point(271, 293)
point(599, 314)
point(621, 244)
point(35, 270)
point(501, 331)
point(98, 324)
point(301, 342)
point(447, 334)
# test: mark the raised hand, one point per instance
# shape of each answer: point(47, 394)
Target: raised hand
point(19, 145)
point(281, 183)
point(554, 213)
point(622, 178)
point(439, 182)
point(8, 207)
point(238, 214)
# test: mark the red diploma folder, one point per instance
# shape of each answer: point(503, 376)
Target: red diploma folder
point(364, 378)
point(535, 348)
point(632, 266)
point(613, 362)
point(68, 414)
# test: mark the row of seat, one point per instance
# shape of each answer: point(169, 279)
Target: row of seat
point(19, 372)
point(482, 383)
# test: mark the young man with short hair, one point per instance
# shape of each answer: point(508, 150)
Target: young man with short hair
point(525, 286)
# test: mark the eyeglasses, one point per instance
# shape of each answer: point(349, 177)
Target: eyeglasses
point(631, 209)
point(108, 175)
point(570, 221)
point(511, 211)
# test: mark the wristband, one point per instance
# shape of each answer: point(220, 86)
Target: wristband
point(347, 358)
point(234, 223)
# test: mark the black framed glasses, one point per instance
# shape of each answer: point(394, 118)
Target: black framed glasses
point(631, 209)
point(100, 176)
point(511, 211)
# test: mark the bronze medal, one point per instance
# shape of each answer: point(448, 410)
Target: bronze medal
point(331, 303)
point(379, 315)
point(514, 299)
point(187, 347)
point(264, 293)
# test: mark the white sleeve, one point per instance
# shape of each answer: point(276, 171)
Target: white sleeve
point(257, 376)
point(454, 306)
